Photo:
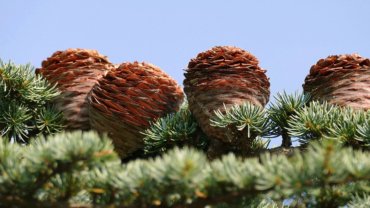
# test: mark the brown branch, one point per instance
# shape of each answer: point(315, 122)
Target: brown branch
point(287, 141)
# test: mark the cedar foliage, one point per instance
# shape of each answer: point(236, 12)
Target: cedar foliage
point(25, 108)
point(81, 169)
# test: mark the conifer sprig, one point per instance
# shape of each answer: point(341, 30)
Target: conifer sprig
point(327, 121)
point(363, 132)
point(25, 108)
point(360, 201)
point(15, 120)
point(49, 120)
point(43, 164)
point(19, 82)
point(176, 129)
point(246, 117)
point(281, 111)
point(346, 128)
point(313, 121)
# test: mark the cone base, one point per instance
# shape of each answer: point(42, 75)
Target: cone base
point(343, 88)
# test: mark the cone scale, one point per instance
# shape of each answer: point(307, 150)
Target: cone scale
point(223, 76)
point(127, 99)
point(74, 71)
point(343, 80)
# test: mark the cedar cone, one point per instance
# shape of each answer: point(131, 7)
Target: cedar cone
point(340, 79)
point(223, 75)
point(127, 99)
point(75, 71)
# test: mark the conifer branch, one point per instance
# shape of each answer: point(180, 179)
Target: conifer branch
point(25, 108)
point(180, 176)
point(281, 111)
point(313, 122)
point(176, 129)
point(346, 128)
point(44, 161)
point(363, 133)
point(195, 179)
point(326, 121)
point(360, 201)
point(247, 118)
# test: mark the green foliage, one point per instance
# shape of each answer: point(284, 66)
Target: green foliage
point(15, 119)
point(326, 121)
point(285, 106)
point(290, 116)
point(360, 201)
point(363, 132)
point(246, 117)
point(51, 169)
point(281, 111)
point(346, 128)
point(176, 129)
point(83, 168)
point(25, 109)
point(314, 121)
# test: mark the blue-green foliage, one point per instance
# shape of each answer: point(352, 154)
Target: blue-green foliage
point(83, 168)
point(25, 109)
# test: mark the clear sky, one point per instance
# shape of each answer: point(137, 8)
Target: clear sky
point(287, 36)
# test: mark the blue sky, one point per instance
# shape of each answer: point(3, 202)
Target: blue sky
point(287, 36)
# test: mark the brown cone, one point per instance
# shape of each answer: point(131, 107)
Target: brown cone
point(340, 79)
point(75, 71)
point(223, 75)
point(125, 100)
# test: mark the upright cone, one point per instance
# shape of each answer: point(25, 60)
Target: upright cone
point(125, 100)
point(340, 79)
point(75, 71)
point(223, 75)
